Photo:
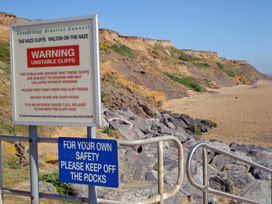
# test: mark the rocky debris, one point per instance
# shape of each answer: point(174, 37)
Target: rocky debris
point(259, 174)
point(138, 165)
point(257, 190)
point(45, 187)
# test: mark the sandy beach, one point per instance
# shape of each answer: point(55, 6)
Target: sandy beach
point(243, 113)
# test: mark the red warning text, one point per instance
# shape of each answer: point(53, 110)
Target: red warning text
point(53, 56)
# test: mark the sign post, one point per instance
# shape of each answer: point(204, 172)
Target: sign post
point(55, 79)
point(92, 191)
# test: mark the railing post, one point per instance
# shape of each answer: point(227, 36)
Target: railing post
point(92, 191)
point(205, 176)
point(160, 170)
point(1, 174)
point(34, 172)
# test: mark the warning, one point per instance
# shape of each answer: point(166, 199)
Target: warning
point(88, 161)
point(55, 72)
point(53, 56)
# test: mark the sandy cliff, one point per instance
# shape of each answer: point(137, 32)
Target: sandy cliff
point(5, 20)
point(137, 72)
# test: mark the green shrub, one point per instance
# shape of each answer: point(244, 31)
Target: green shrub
point(201, 64)
point(213, 124)
point(187, 57)
point(103, 95)
point(124, 50)
point(110, 132)
point(104, 47)
point(62, 188)
point(230, 73)
point(8, 128)
point(6, 69)
point(4, 51)
point(184, 57)
point(13, 164)
point(198, 131)
point(188, 82)
point(227, 71)
point(219, 65)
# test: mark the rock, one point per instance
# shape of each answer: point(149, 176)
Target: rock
point(260, 174)
point(110, 114)
point(125, 128)
point(234, 167)
point(166, 119)
point(104, 123)
point(247, 148)
point(146, 125)
point(219, 145)
point(259, 155)
point(221, 184)
point(188, 120)
point(80, 190)
point(150, 110)
point(45, 187)
point(182, 135)
point(103, 108)
point(177, 121)
point(204, 125)
point(258, 190)
point(151, 176)
point(237, 179)
point(127, 114)
point(220, 161)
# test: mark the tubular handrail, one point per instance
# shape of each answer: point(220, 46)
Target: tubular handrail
point(159, 198)
point(205, 187)
point(162, 195)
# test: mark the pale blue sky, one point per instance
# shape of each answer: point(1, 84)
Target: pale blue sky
point(236, 29)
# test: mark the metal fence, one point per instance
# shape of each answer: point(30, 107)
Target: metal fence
point(34, 194)
point(205, 186)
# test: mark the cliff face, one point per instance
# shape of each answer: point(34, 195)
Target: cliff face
point(5, 20)
point(151, 68)
point(109, 37)
point(137, 72)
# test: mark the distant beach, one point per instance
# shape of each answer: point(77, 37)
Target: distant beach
point(243, 113)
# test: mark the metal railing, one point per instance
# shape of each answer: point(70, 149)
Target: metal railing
point(205, 187)
point(159, 198)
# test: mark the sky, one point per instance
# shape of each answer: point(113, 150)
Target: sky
point(236, 29)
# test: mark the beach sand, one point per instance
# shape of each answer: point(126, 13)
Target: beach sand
point(243, 113)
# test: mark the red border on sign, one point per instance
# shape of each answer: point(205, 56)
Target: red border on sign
point(57, 56)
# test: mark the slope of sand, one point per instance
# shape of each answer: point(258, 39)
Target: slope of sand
point(243, 113)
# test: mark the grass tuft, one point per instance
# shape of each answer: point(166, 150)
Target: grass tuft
point(123, 50)
point(187, 81)
point(219, 65)
point(110, 132)
point(4, 52)
point(185, 57)
point(104, 47)
point(230, 73)
point(62, 188)
point(227, 71)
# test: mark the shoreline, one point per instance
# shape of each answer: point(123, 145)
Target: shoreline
point(243, 113)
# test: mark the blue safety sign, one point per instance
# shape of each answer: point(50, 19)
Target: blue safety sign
point(88, 161)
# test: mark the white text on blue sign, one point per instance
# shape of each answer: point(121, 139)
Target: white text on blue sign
point(88, 161)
